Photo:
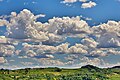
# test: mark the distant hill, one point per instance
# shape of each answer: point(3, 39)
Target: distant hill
point(116, 67)
point(90, 67)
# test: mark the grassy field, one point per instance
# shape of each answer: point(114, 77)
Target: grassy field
point(85, 73)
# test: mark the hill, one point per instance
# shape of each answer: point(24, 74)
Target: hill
point(116, 67)
point(87, 72)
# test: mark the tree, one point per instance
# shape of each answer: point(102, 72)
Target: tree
point(58, 70)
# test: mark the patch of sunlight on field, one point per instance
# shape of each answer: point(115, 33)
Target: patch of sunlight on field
point(43, 79)
point(114, 77)
point(55, 73)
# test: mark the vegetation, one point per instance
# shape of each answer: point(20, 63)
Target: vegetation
point(84, 73)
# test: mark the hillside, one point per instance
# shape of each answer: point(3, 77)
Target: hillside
point(87, 72)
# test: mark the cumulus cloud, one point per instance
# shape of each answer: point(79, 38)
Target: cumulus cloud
point(71, 57)
point(2, 60)
point(25, 26)
point(49, 62)
point(6, 50)
point(114, 51)
point(62, 48)
point(90, 42)
point(107, 34)
point(110, 26)
point(109, 40)
point(27, 63)
point(95, 61)
point(22, 26)
point(3, 39)
point(87, 48)
point(3, 22)
point(67, 25)
point(97, 53)
point(88, 4)
point(103, 52)
point(78, 48)
point(31, 53)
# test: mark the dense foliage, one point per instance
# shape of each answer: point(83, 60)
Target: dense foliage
point(84, 73)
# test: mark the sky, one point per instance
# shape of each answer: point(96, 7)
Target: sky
point(59, 33)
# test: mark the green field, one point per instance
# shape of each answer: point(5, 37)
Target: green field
point(85, 73)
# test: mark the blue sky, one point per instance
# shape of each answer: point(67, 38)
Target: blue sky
point(104, 11)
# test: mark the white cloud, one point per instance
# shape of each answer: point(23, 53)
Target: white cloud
point(49, 56)
point(87, 48)
point(110, 26)
point(98, 53)
point(67, 25)
point(108, 40)
point(95, 61)
point(83, 0)
point(31, 53)
point(2, 60)
point(88, 5)
point(91, 43)
point(73, 1)
point(6, 50)
point(78, 48)
point(3, 39)
point(69, 1)
point(49, 62)
point(23, 26)
point(71, 57)
point(62, 48)
point(107, 34)
point(3, 22)
point(85, 3)
point(113, 51)
point(27, 63)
